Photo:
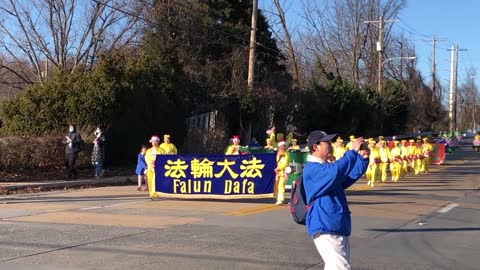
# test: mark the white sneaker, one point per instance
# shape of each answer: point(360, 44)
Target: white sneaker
point(369, 182)
point(279, 203)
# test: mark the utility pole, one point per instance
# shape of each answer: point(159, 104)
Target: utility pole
point(453, 87)
point(379, 46)
point(434, 79)
point(380, 55)
point(452, 83)
point(251, 58)
point(474, 111)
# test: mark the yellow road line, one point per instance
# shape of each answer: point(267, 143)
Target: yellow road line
point(252, 210)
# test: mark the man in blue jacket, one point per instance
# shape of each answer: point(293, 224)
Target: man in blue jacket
point(328, 220)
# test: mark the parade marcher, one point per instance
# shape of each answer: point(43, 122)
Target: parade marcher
point(412, 152)
point(373, 165)
point(167, 146)
point(290, 129)
point(98, 152)
point(427, 151)
point(396, 165)
point(294, 146)
point(385, 159)
point(338, 148)
point(272, 136)
point(405, 157)
point(73, 145)
point(280, 173)
point(328, 220)
point(234, 149)
point(141, 168)
point(349, 144)
point(150, 157)
point(419, 157)
point(269, 145)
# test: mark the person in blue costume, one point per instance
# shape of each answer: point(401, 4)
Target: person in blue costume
point(328, 220)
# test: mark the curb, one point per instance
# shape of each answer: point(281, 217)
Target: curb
point(73, 183)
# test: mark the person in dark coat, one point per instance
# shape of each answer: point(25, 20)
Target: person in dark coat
point(73, 145)
point(98, 153)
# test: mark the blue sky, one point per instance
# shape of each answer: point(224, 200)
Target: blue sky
point(457, 21)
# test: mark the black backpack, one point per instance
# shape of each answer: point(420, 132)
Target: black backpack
point(298, 202)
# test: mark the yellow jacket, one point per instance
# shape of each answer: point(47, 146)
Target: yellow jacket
point(338, 151)
point(384, 153)
point(396, 152)
point(232, 150)
point(282, 162)
point(151, 156)
point(169, 148)
point(427, 148)
point(374, 155)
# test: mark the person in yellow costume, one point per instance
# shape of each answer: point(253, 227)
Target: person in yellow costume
point(269, 145)
point(385, 159)
point(405, 157)
point(412, 151)
point(280, 173)
point(427, 151)
point(396, 164)
point(234, 149)
point(372, 171)
point(272, 136)
point(349, 144)
point(167, 146)
point(150, 157)
point(419, 157)
point(290, 130)
point(294, 146)
point(338, 148)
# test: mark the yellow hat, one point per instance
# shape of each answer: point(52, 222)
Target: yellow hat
point(380, 138)
point(404, 141)
point(339, 139)
point(395, 142)
point(425, 139)
point(411, 140)
point(294, 140)
point(166, 136)
point(352, 137)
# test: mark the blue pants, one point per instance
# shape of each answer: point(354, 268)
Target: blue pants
point(98, 168)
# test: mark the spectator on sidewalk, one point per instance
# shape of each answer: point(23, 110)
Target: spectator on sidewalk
point(328, 221)
point(141, 168)
point(98, 152)
point(73, 145)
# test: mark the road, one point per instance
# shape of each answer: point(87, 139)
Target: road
point(429, 221)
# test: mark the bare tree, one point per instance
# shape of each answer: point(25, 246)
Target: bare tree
point(64, 35)
point(337, 32)
point(287, 40)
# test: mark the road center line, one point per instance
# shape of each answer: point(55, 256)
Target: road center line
point(447, 208)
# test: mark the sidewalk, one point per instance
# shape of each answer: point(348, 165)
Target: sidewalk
point(59, 184)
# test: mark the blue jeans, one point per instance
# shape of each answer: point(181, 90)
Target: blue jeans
point(98, 168)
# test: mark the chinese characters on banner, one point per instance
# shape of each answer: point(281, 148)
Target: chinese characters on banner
point(215, 176)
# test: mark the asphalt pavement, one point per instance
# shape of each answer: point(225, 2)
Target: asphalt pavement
point(428, 221)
